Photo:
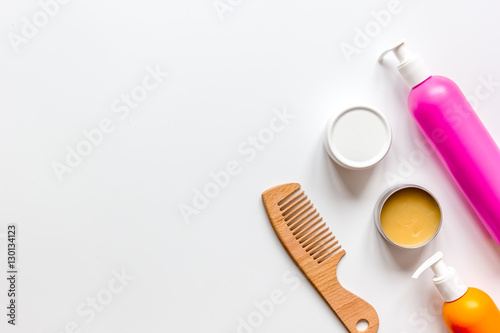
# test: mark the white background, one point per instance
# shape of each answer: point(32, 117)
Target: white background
point(118, 211)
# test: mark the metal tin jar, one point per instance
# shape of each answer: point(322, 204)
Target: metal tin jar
point(382, 201)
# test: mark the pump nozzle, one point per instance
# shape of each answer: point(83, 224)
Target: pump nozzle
point(446, 279)
point(435, 263)
point(400, 50)
point(411, 66)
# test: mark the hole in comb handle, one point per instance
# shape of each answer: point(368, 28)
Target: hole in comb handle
point(362, 325)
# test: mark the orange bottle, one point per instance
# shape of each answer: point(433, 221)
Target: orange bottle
point(466, 310)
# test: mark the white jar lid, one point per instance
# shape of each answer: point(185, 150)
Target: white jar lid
point(358, 138)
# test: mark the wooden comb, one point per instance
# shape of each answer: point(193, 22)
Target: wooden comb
point(315, 250)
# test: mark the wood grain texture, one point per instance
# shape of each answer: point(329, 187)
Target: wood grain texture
point(316, 251)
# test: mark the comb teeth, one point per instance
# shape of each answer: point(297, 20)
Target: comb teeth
point(306, 225)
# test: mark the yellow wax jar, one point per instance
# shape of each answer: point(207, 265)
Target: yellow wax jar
point(409, 216)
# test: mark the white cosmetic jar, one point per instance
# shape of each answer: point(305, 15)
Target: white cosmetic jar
point(358, 138)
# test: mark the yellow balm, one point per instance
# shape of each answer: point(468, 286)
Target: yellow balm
point(410, 217)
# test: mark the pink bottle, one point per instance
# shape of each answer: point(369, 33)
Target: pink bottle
point(457, 135)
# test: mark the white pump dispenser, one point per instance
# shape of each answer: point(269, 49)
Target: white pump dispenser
point(411, 66)
point(446, 279)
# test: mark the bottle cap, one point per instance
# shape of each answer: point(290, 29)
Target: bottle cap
point(358, 138)
point(411, 66)
point(446, 279)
